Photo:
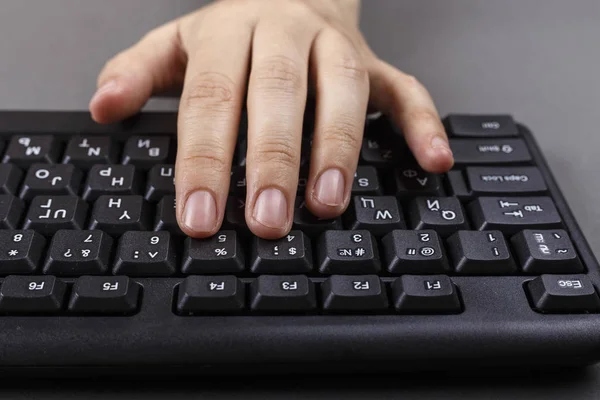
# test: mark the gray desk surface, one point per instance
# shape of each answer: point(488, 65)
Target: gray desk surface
point(536, 59)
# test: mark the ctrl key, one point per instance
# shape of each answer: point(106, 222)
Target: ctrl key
point(563, 294)
point(31, 294)
point(104, 295)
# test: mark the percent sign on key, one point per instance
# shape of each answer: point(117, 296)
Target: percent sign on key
point(221, 252)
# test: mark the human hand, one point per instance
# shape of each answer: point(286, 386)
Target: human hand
point(268, 53)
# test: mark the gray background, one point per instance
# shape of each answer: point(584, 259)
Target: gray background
point(536, 59)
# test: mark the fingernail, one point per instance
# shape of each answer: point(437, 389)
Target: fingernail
point(329, 189)
point(107, 87)
point(439, 142)
point(271, 208)
point(200, 212)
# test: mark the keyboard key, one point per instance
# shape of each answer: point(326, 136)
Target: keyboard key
point(237, 181)
point(10, 178)
point(111, 179)
point(414, 252)
point(489, 151)
point(49, 214)
point(11, 211)
point(24, 151)
point(480, 253)
point(512, 214)
point(457, 185)
point(410, 180)
point(235, 217)
point(219, 254)
point(20, 251)
point(348, 252)
point(366, 181)
point(312, 226)
point(210, 294)
point(161, 182)
point(443, 214)
point(379, 152)
point(462, 125)
point(546, 251)
point(146, 151)
point(145, 254)
point(432, 294)
point(289, 255)
point(166, 216)
point(377, 214)
point(31, 294)
point(51, 179)
point(282, 293)
point(85, 151)
point(118, 214)
point(347, 293)
point(563, 294)
point(76, 253)
point(506, 180)
point(104, 295)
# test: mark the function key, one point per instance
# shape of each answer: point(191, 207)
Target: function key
point(289, 255)
point(20, 251)
point(347, 293)
point(546, 251)
point(104, 295)
point(512, 214)
point(166, 217)
point(85, 151)
point(489, 151)
point(443, 214)
point(146, 151)
point(378, 214)
point(11, 211)
point(111, 179)
point(480, 253)
point(414, 252)
point(366, 181)
point(431, 294)
point(49, 214)
point(462, 125)
point(10, 178)
point(210, 294)
point(563, 294)
point(55, 179)
point(75, 253)
point(282, 293)
point(31, 294)
point(118, 214)
point(219, 254)
point(311, 225)
point(505, 180)
point(145, 254)
point(161, 182)
point(348, 252)
point(26, 150)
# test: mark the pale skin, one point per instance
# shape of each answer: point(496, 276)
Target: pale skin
point(268, 55)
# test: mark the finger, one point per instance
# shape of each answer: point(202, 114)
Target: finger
point(208, 123)
point(342, 94)
point(276, 100)
point(409, 104)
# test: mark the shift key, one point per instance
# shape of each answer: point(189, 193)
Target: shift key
point(490, 151)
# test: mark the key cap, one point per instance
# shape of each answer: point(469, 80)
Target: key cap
point(512, 214)
point(410, 180)
point(111, 179)
point(20, 251)
point(480, 253)
point(11, 210)
point(49, 214)
point(546, 251)
point(414, 252)
point(282, 293)
point(104, 295)
point(76, 253)
point(377, 214)
point(312, 226)
point(563, 294)
point(506, 180)
point(462, 125)
point(118, 214)
point(289, 255)
point(366, 181)
point(166, 217)
point(348, 293)
point(347, 252)
point(432, 294)
point(457, 186)
point(161, 182)
point(31, 294)
point(443, 214)
point(380, 152)
point(10, 178)
point(146, 151)
point(237, 181)
point(145, 254)
point(210, 294)
point(220, 254)
point(489, 151)
point(235, 217)
point(85, 151)
point(24, 150)
point(51, 179)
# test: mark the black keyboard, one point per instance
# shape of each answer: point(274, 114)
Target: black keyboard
point(483, 266)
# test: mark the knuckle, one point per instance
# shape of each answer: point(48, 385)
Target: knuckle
point(422, 116)
point(279, 73)
point(204, 156)
point(277, 149)
point(210, 90)
point(343, 136)
point(352, 67)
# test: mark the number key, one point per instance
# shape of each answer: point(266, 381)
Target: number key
point(414, 252)
point(145, 254)
point(74, 253)
point(546, 251)
point(20, 251)
point(288, 255)
point(348, 252)
point(219, 254)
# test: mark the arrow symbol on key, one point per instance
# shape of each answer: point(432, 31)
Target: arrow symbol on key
point(152, 255)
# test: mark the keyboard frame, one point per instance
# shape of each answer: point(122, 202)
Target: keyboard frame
point(497, 327)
